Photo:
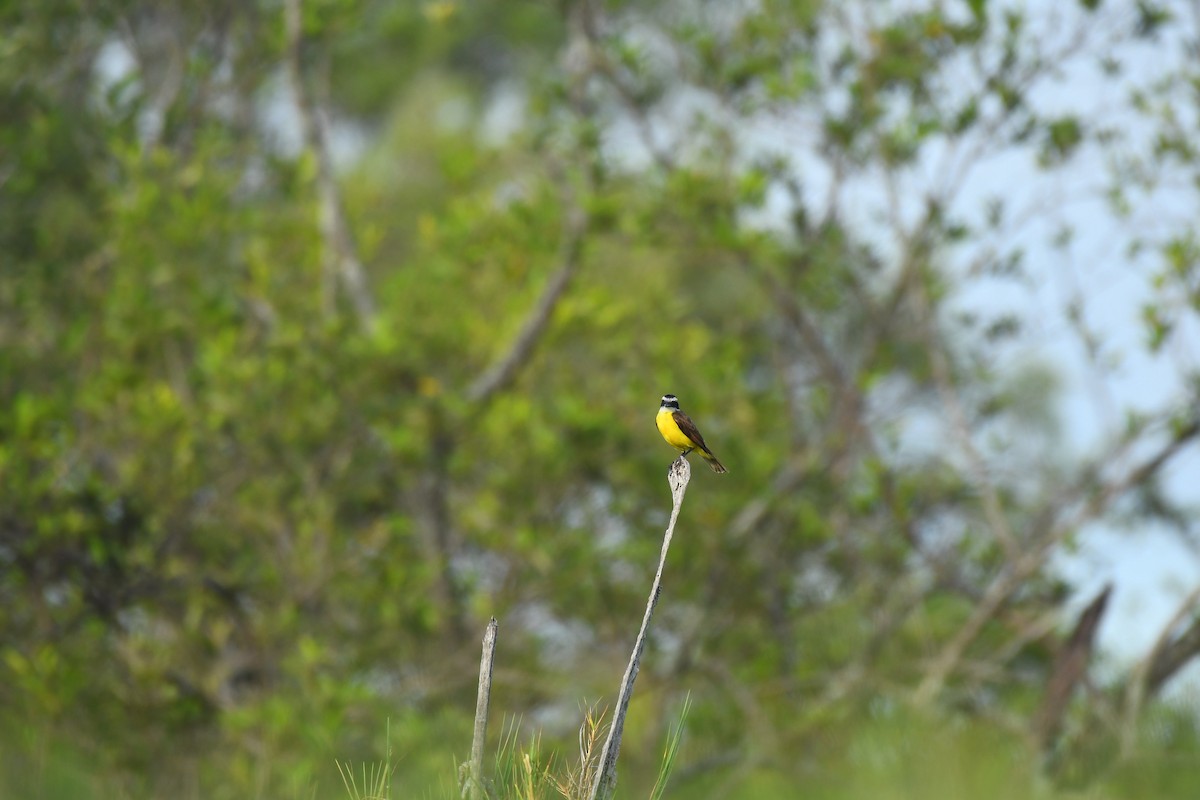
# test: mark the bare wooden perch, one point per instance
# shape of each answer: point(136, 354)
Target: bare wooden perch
point(472, 781)
point(678, 476)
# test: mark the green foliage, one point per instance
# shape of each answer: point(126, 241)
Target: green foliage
point(240, 526)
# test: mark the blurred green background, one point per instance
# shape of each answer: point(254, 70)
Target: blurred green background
point(330, 329)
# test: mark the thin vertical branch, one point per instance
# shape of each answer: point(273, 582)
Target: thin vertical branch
point(341, 262)
point(939, 363)
point(434, 502)
point(472, 787)
point(606, 775)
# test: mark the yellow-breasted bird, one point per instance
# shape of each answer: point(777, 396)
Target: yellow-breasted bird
point(681, 433)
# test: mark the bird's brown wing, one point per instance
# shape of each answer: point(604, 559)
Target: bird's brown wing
point(689, 429)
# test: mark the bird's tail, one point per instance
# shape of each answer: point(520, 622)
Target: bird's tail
point(716, 465)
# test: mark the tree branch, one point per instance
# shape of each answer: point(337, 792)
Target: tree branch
point(940, 367)
point(1069, 666)
point(1165, 658)
point(606, 775)
point(340, 257)
point(434, 502)
point(1173, 657)
point(1032, 558)
point(502, 372)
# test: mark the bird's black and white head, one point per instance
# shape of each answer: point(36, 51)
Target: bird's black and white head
point(670, 401)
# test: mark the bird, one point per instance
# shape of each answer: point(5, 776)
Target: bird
point(681, 433)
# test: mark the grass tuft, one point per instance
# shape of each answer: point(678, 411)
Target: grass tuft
point(376, 776)
point(576, 782)
point(520, 772)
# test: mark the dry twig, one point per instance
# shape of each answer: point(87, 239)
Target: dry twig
point(606, 775)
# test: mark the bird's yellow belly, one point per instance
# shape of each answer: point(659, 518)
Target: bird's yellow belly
point(670, 431)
